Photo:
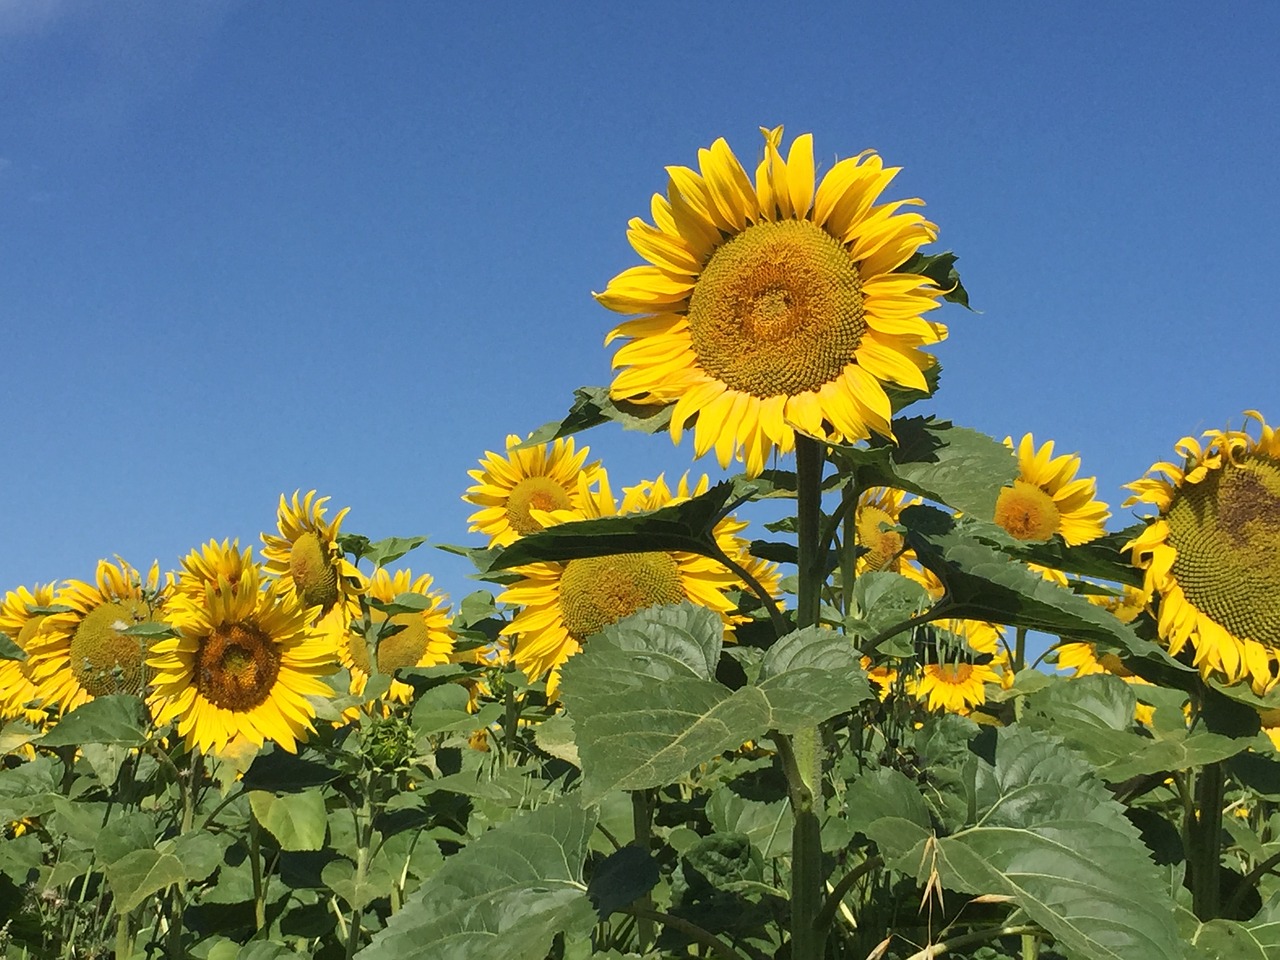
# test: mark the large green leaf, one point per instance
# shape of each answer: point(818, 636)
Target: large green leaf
point(593, 406)
point(683, 526)
point(985, 583)
point(297, 820)
point(953, 465)
point(646, 710)
point(1050, 837)
point(504, 897)
point(1094, 715)
point(119, 718)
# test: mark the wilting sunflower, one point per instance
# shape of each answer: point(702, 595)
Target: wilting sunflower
point(1047, 499)
point(84, 652)
point(954, 687)
point(241, 668)
point(771, 307)
point(422, 640)
point(565, 603)
point(19, 695)
point(541, 477)
point(1211, 554)
point(306, 558)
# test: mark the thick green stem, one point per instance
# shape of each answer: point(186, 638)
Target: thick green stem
point(801, 756)
point(848, 546)
point(1206, 843)
point(255, 869)
point(1020, 650)
point(641, 814)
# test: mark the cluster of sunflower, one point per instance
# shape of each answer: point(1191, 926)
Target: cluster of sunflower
point(561, 604)
point(230, 650)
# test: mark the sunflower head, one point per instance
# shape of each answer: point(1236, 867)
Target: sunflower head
point(306, 557)
point(86, 651)
point(210, 563)
point(774, 305)
point(1047, 499)
point(1211, 553)
point(19, 695)
point(421, 638)
point(509, 490)
point(566, 603)
point(954, 686)
point(241, 669)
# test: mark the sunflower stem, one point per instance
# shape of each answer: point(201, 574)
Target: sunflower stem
point(1206, 839)
point(641, 819)
point(1020, 650)
point(848, 545)
point(802, 755)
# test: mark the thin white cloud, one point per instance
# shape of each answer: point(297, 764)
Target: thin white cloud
point(22, 17)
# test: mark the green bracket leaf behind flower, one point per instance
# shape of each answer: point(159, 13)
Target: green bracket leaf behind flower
point(593, 406)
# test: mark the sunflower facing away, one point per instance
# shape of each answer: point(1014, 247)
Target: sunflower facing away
point(1047, 499)
point(306, 558)
point(422, 640)
point(19, 695)
point(1211, 554)
point(565, 603)
point(769, 306)
point(241, 668)
point(541, 477)
point(84, 652)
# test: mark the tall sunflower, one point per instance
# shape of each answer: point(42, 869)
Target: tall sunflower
point(1211, 554)
point(19, 694)
point(306, 558)
point(770, 306)
point(1047, 499)
point(565, 603)
point(241, 668)
point(423, 638)
point(540, 477)
point(84, 652)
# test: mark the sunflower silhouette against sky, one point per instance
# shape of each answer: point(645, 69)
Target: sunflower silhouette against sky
point(242, 667)
point(772, 305)
point(540, 477)
point(565, 603)
point(306, 558)
point(1211, 553)
point(84, 652)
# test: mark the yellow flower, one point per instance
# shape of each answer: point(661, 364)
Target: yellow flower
point(85, 652)
point(771, 307)
point(20, 697)
point(1211, 554)
point(541, 477)
point(1047, 499)
point(422, 638)
point(206, 565)
point(241, 668)
point(953, 687)
point(565, 603)
point(306, 558)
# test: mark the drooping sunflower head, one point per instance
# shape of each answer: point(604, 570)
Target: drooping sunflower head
point(563, 604)
point(1211, 553)
point(421, 638)
point(20, 621)
point(508, 489)
point(771, 306)
point(241, 668)
point(86, 650)
point(1047, 499)
point(306, 558)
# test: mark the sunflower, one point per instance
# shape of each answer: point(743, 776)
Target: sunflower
point(423, 638)
point(19, 695)
point(83, 652)
point(210, 563)
point(241, 668)
point(1047, 499)
point(1211, 554)
point(771, 307)
point(541, 477)
point(565, 603)
point(954, 687)
point(306, 558)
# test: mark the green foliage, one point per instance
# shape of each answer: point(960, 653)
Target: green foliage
point(593, 406)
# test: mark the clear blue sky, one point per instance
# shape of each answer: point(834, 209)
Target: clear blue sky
point(247, 247)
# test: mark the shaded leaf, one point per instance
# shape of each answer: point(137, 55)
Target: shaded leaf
point(504, 897)
point(443, 708)
point(139, 874)
point(882, 793)
point(621, 878)
point(118, 718)
point(941, 269)
point(297, 820)
point(9, 650)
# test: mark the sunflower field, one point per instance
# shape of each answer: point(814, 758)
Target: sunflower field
point(892, 690)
